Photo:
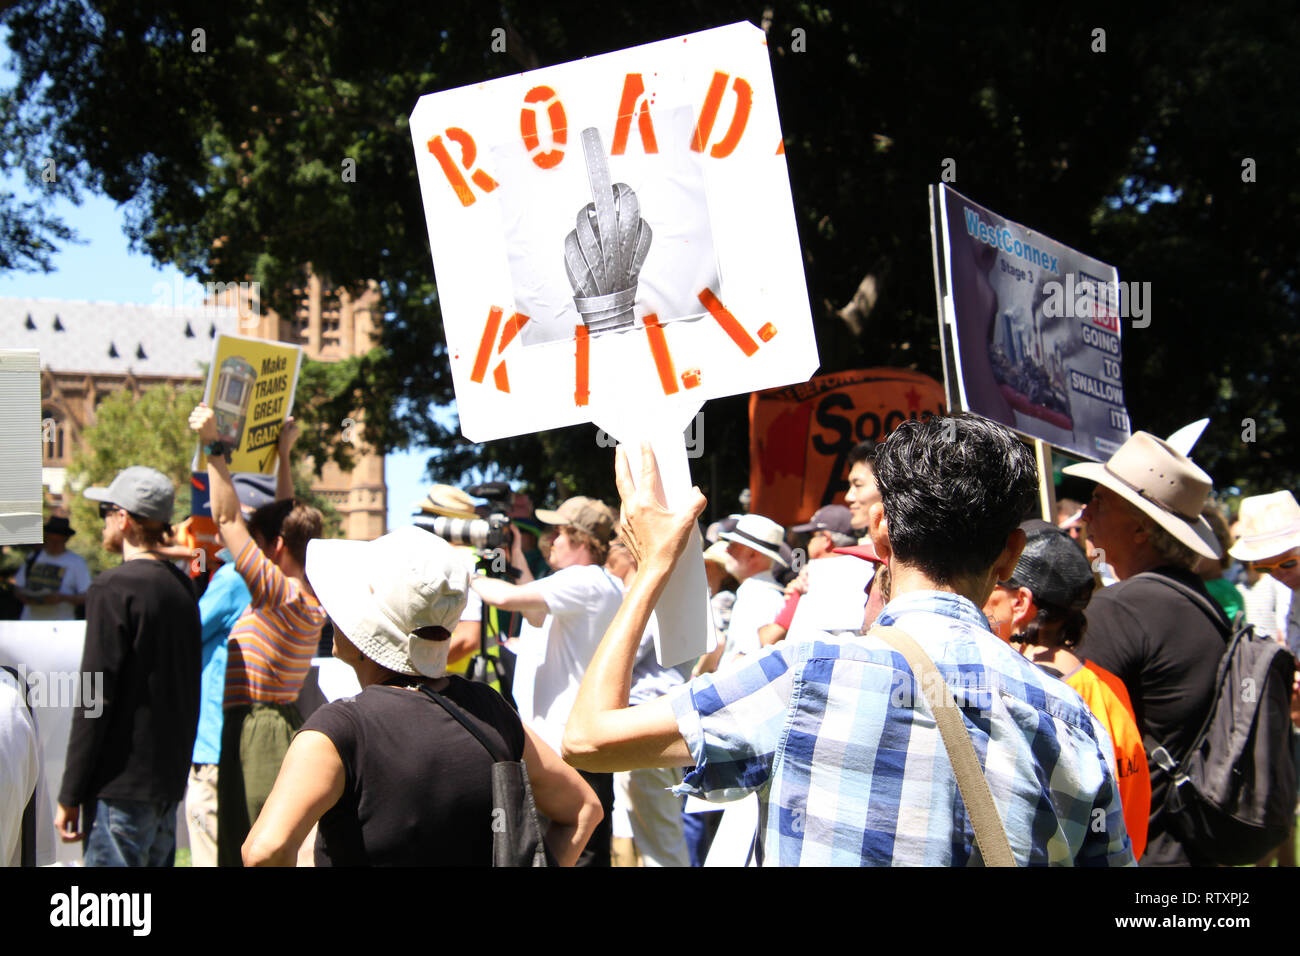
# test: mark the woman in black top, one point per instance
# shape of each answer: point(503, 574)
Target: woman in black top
point(392, 777)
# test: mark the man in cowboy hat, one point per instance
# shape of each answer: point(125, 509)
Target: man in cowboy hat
point(565, 615)
point(755, 546)
point(53, 584)
point(1145, 516)
point(1270, 540)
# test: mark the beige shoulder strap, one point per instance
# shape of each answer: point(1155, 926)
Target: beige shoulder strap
point(990, 836)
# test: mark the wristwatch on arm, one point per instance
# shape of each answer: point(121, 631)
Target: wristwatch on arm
point(218, 449)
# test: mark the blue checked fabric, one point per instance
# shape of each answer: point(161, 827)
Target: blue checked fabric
point(840, 744)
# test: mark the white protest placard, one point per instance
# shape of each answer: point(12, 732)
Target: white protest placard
point(614, 242)
point(836, 598)
point(22, 434)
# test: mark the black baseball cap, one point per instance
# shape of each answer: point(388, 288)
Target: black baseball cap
point(1053, 567)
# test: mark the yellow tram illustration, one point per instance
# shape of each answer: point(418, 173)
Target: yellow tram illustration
point(231, 397)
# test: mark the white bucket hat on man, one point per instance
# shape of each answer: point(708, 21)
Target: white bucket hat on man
point(762, 534)
point(1269, 525)
point(1163, 484)
point(378, 593)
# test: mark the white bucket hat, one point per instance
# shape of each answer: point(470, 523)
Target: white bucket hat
point(1269, 525)
point(1163, 484)
point(762, 534)
point(378, 593)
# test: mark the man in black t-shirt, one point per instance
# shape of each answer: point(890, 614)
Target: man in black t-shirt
point(1145, 516)
point(127, 765)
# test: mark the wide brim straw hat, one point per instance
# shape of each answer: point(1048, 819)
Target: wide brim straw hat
point(378, 593)
point(447, 502)
point(1269, 525)
point(1163, 484)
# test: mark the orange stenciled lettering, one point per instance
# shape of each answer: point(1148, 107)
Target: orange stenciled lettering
point(634, 101)
point(543, 95)
point(654, 332)
point(512, 328)
point(724, 318)
point(709, 114)
point(485, 344)
point(582, 360)
point(499, 377)
point(453, 173)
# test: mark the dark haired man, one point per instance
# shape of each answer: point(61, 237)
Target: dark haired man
point(862, 493)
point(127, 764)
point(836, 737)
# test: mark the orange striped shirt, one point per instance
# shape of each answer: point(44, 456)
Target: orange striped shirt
point(273, 642)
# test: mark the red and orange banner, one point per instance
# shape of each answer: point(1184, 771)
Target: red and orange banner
point(800, 436)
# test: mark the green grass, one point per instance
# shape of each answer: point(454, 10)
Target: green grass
point(183, 857)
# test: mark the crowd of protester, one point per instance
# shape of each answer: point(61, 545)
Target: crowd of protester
point(1083, 656)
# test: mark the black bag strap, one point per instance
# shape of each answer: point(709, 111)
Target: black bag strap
point(1211, 609)
point(1158, 754)
point(451, 708)
point(27, 852)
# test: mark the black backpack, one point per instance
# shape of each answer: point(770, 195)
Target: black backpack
point(1232, 797)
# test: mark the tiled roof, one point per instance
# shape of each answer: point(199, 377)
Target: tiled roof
point(109, 337)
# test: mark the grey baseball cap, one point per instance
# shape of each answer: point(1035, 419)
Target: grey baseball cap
point(253, 490)
point(145, 492)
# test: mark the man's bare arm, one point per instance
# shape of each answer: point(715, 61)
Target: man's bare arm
point(603, 732)
point(284, 474)
point(224, 501)
point(513, 597)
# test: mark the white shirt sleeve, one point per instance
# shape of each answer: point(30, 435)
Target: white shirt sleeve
point(569, 591)
point(473, 607)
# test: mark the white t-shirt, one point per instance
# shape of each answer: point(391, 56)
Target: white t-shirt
point(759, 600)
point(65, 573)
point(20, 756)
point(552, 658)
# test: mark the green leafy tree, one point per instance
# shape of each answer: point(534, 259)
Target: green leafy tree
point(226, 128)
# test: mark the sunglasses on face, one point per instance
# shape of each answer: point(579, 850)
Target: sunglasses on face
point(1286, 565)
point(106, 508)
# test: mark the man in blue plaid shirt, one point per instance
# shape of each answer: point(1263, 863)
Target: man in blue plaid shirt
point(835, 735)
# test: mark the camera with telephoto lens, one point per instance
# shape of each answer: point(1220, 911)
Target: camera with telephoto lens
point(485, 534)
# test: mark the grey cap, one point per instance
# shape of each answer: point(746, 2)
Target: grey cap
point(144, 492)
point(836, 519)
point(254, 490)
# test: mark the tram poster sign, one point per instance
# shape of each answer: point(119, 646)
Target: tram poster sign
point(251, 384)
